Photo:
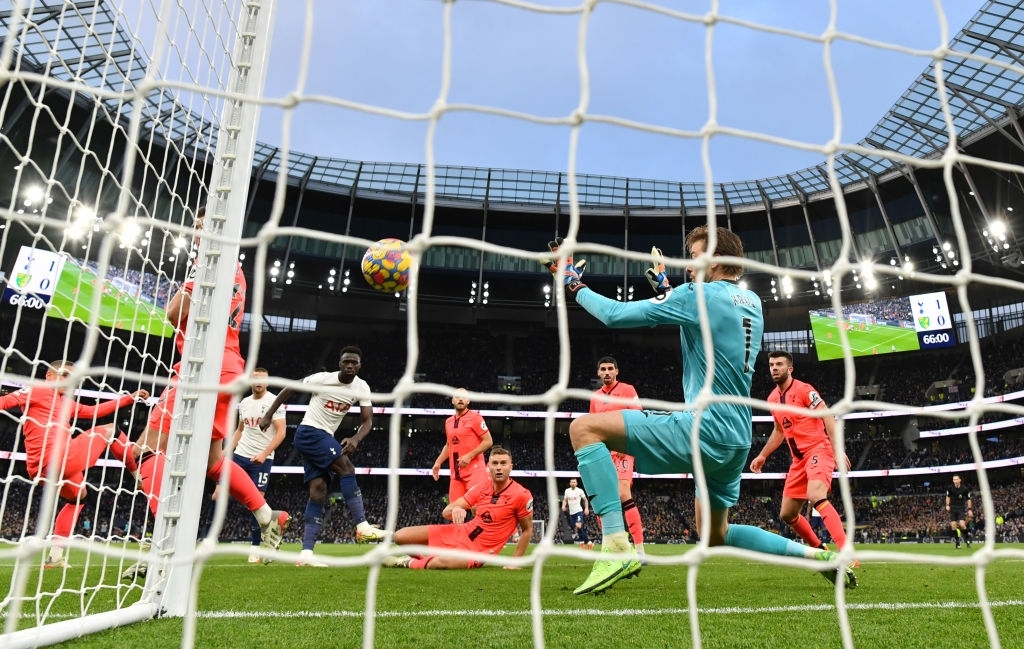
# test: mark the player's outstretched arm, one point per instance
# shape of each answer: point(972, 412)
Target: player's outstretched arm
point(279, 400)
point(16, 399)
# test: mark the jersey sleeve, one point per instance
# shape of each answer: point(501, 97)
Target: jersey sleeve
point(363, 395)
point(524, 506)
point(630, 392)
point(280, 412)
point(676, 307)
point(314, 379)
point(481, 426)
point(83, 411)
point(15, 399)
point(472, 496)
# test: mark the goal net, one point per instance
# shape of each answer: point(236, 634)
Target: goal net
point(123, 119)
point(125, 122)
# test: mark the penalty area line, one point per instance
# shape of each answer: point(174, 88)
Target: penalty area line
point(628, 612)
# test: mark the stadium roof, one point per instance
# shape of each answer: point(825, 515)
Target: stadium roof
point(84, 42)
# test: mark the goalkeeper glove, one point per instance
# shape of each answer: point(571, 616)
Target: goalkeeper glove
point(656, 273)
point(573, 271)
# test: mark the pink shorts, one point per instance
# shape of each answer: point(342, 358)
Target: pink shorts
point(456, 537)
point(817, 464)
point(163, 412)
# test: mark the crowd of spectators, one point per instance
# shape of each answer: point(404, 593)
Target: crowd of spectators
point(476, 357)
point(155, 288)
point(914, 514)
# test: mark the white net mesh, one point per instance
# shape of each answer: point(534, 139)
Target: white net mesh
point(121, 120)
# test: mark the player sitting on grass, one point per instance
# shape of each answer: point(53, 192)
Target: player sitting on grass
point(499, 506)
point(48, 441)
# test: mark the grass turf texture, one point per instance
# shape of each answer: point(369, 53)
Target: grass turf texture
point(876, 339)
point(74, 294)
point(743, 604)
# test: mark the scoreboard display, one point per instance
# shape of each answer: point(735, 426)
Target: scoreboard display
point(34, 278)
point(932, 321)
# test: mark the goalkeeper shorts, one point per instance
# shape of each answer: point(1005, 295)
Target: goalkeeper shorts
point(660, 443)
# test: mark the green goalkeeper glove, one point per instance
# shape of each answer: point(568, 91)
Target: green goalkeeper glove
point(573, 271)
point(656, 273)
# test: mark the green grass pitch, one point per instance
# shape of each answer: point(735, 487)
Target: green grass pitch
point(74, 294)
point(741, 604)
point(876, 339)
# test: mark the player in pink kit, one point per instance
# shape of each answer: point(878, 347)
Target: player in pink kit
point(48, 441)
point(611, 386)
point(152, 444)
point(811, 442)
point(467, 441)
point(500, 505)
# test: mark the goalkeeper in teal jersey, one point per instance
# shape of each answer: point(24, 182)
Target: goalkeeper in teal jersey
point(661, 441)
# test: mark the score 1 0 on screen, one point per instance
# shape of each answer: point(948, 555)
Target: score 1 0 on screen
point(932, 320)
point(883, 326)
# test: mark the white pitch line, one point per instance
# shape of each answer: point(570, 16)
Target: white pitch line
point(620, 612)
point(630, 612)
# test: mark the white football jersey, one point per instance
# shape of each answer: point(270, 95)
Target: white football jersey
point(250, 412)
point(327, 406)
point(574, 498)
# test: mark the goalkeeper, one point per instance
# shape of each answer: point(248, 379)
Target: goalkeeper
point(660, 441)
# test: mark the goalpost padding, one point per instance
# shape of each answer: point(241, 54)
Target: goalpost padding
point(195, 98)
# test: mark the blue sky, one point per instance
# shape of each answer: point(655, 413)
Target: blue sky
point(643, 67)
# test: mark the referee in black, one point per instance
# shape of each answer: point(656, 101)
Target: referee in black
point(958, 501)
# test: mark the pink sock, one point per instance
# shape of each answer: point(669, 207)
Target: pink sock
point(64, 524)
point(833, 523)
point(803, 529)
point(633, 522)
point(152, 473)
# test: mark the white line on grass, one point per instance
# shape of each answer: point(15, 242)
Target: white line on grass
point(624, 612)
point(631, 612)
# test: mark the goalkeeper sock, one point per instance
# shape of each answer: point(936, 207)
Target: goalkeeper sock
point(754, 538)
point(64, 524)
point(802, 527)
point(151, 473)
point(314, 518)
point(602, 482)
point(353, 497)
point(833, 523)
point(240, 485)
point(636, 526)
